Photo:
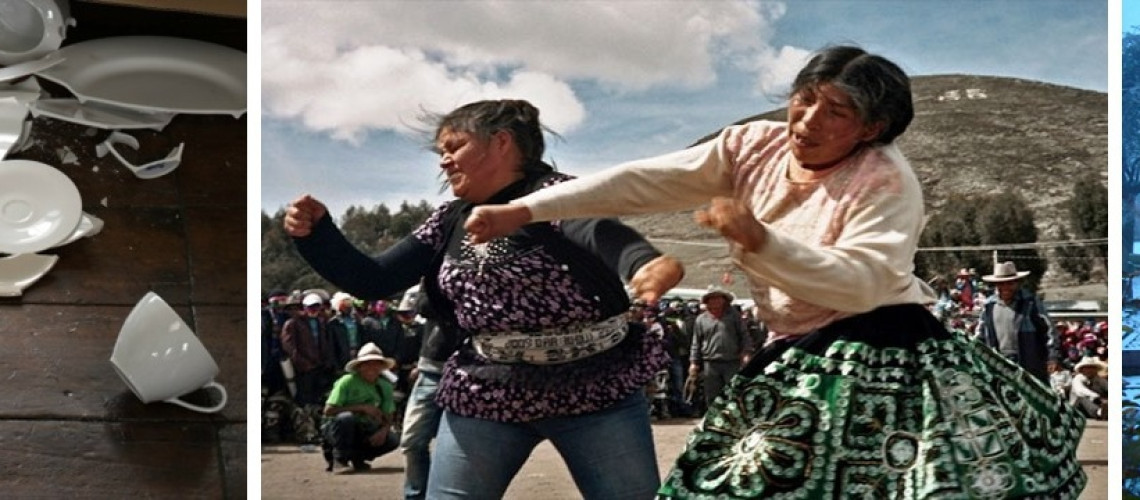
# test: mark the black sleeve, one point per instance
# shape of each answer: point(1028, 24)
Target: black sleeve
point(620, 247)
point(332, 256)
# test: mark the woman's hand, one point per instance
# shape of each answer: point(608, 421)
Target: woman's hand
point(491, 221)
point(302, 215)
point(733, 220)
point(656, 277)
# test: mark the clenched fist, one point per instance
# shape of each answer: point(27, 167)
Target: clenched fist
point(302, 215)
point(733, 220)
point(656, 277)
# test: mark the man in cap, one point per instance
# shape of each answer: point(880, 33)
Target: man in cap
point(1014, 323)
point(306, 342)
point(359, 411)
point(720, 343)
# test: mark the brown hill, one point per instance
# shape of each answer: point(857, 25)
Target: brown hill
point(970, 135)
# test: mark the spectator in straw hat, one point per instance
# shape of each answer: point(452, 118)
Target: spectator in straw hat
point(1014, 322)
point(720, 343)
point(359, 411)
point(1089, 390)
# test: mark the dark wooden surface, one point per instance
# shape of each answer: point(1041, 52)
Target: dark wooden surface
point(69, 427)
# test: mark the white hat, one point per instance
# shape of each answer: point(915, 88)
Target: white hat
point(340, 297)
point(312, 299)
point(369, 353)
point(1090, 361)
point(728, 296)
point(1005, 271)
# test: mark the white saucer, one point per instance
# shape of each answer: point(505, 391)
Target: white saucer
point(20, 271)
point(154, 73)
point(89, 226)
point(39, 206)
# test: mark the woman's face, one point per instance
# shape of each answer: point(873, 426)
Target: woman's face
point(824, 125)
point(468, 162)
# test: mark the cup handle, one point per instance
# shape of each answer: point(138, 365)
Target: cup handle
point(204, 409)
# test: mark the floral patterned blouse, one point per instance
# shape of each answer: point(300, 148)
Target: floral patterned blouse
point(516, 284)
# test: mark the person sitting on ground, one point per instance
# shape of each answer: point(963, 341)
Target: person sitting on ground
point(1089, 390)
point(359, 411)
point(1060, 378)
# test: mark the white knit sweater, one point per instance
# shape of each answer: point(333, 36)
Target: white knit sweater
point(836, 246)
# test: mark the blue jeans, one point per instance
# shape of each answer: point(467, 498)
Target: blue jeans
point(610, 453)
point(421, 423)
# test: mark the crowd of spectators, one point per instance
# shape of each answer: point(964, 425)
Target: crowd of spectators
point(344, 324)
point(1077, 345)
point(308, 339)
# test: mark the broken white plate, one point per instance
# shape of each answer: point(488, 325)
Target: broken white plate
point(154, 73)
point(99, 115)
point(39, 206)
point(18, 272)
point(89, 226)
point(149, 170)
point(28, 68)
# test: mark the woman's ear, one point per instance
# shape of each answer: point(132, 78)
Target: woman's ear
point(502, 141)
point(872, 131)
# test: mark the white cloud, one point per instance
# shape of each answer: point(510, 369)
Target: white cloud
point(776, 69)
point(344, 68)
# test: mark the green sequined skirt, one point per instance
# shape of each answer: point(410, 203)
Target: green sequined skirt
point(848, 413)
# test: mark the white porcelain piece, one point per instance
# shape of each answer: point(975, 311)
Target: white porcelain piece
point(39, 206)
point(99, 115)
point(161, 359)
point(24, 91)
point(149, 170)
point(30, 29)
point(154, 73)
point(18, 272)
point(12, 115)
point(27, 68)
point(14, 126)
point(23, 141)
point(89, 226)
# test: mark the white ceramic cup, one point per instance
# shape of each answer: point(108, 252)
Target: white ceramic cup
point(30, 29)
point(161, 359)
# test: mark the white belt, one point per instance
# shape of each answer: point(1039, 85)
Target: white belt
point(553, 345)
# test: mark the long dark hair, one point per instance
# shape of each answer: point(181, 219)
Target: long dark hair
point(878, 88)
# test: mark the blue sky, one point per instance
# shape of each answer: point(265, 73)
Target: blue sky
point(342, 87)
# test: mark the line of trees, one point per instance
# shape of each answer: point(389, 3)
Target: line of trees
point(1002, 219)
point(371, 230)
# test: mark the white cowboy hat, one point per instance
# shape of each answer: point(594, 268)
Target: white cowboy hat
point(312, 299)
point(1090, 361)
point(1005, 271)
point(369, 353)
point(728, 297)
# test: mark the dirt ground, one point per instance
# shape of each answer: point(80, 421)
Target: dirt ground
point(287, 472)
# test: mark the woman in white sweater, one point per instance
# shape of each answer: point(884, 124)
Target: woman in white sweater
point(859, 392)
